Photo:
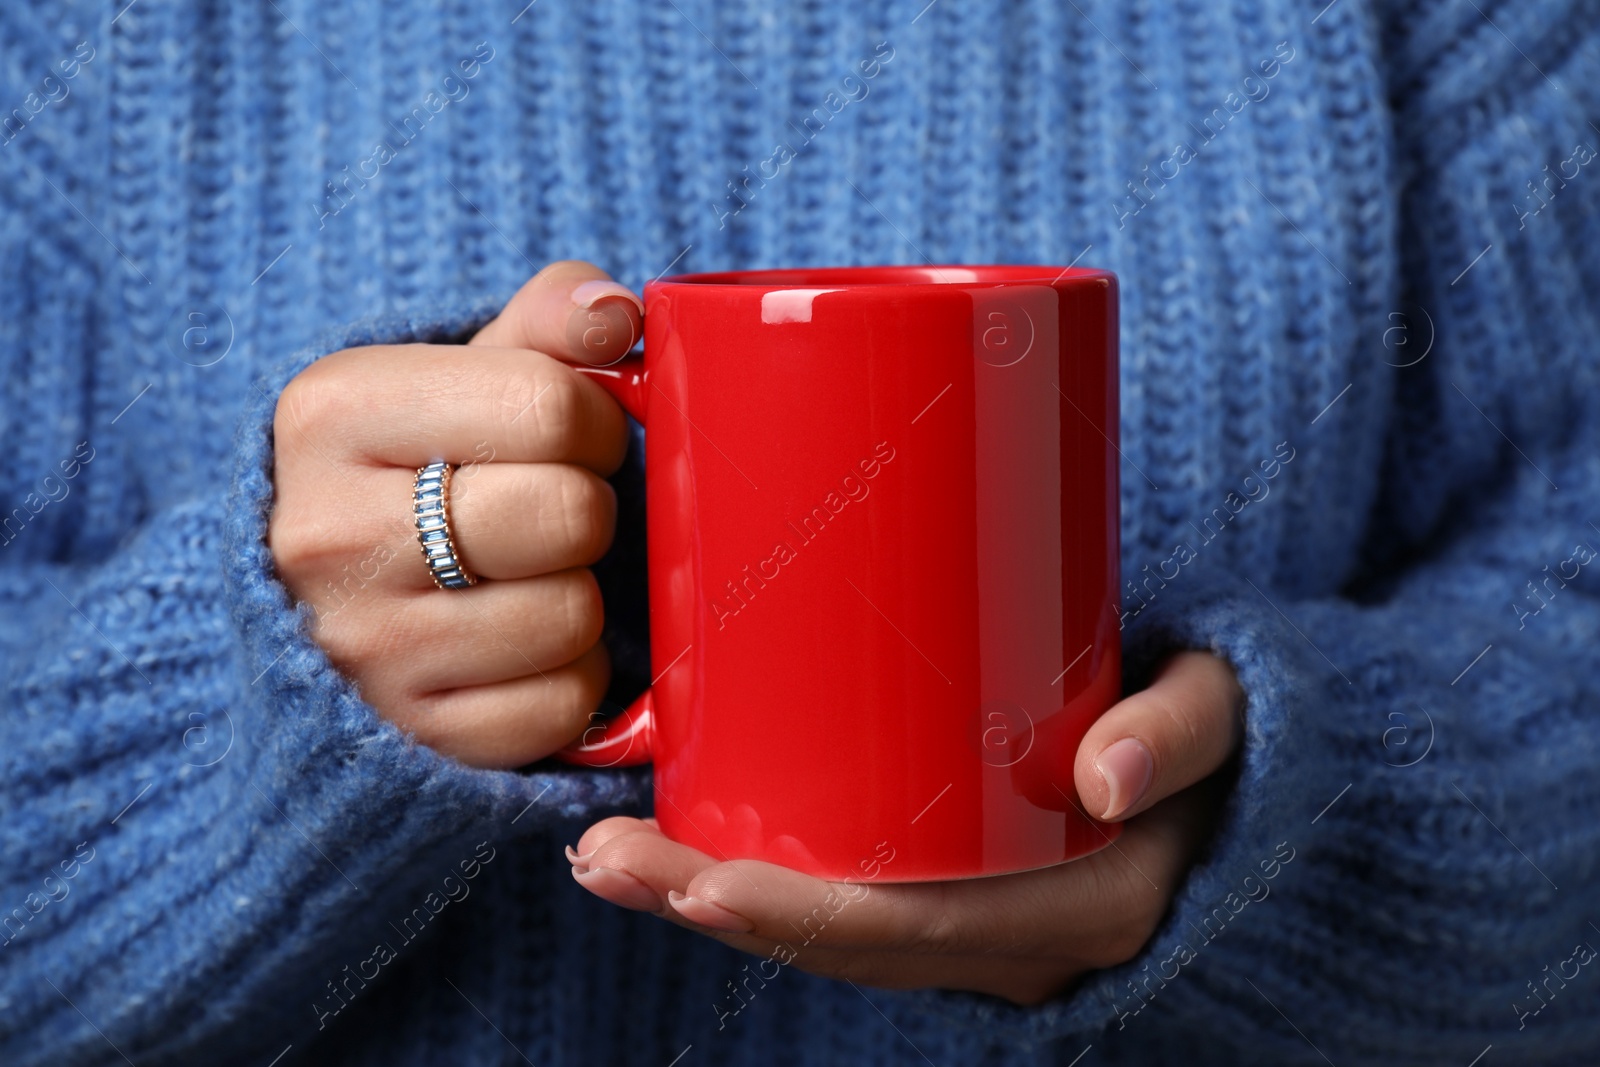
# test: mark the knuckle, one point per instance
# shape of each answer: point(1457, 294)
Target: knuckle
point(583, 610)
point(344, 644)
point(1171, 732)
point(312, 543)
point(573, 696)
point(1132, 918)
point(588, 510)
point(939, 933)
point(1184, 718)
point(628, 850)
point(300, 549)
point(369, 646)
point(571, 716)
point(1125, 942)
point(556, 405)
point(294, 415)
point(605, 831)
point(310, 399)
point(939, 937)
point(428, 723)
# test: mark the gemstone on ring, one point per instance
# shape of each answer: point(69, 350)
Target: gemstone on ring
point(430, 502)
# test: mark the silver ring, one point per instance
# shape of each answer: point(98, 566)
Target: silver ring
point(430, 501)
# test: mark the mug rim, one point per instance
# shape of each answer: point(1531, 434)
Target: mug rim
point(904, 276)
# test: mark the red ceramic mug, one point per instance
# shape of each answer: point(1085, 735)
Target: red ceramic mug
point(882, 537)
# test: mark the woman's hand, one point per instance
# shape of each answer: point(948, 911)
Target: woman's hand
point(1024, 937)
point(509, 670)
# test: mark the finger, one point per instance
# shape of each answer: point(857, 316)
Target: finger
point(521, 520)
point(1099, 908)
point(402, 649)
point(603, 831)
point(409, 405)
point(497, 631)
point(511, 724)
point(638, 868)
point(507, 520)
point(571, 310)
point(765, 901)
point(1162, 739)
point(1083, 915)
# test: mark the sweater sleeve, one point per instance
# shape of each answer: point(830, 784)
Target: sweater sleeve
point(1405, 870)
point(202, 817)
point(1413, 835)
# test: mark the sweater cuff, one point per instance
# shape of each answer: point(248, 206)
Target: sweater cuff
point(1257, 834)
point(331, 760)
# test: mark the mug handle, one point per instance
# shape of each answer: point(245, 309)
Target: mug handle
point(625, 741)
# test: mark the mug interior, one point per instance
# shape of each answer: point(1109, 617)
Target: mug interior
point(932, 274)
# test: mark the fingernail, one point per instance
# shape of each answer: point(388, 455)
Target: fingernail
point(580, 862)
point(601, 336)
point(619, 888)
point(587, 294)
point(705, 913)
point(1127, 768)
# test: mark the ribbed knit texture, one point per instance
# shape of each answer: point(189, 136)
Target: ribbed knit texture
point(241, 827)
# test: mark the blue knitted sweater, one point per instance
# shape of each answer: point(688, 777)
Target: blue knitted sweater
point(1356, 249)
